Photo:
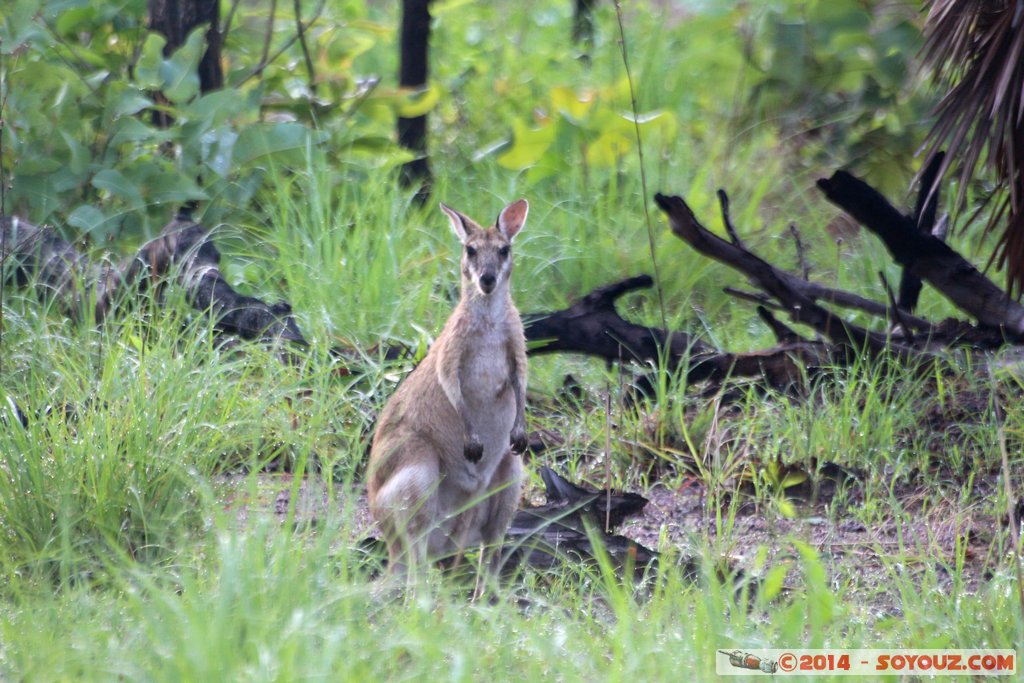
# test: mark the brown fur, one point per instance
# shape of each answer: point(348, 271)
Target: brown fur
point(442, 474)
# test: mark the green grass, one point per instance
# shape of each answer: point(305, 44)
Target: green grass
point(122, 556)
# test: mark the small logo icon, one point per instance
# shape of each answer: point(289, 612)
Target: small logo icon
point(745, 660)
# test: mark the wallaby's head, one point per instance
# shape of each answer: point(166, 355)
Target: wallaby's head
point(487, 252)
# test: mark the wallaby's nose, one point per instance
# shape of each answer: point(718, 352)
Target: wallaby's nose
point(487, 281)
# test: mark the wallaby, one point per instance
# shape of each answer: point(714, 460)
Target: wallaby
point(445, 472)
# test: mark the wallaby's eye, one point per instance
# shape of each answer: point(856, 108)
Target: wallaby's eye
point(503, 252)
point(470, 252)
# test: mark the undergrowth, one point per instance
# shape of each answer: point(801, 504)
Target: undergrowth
point(122, 557)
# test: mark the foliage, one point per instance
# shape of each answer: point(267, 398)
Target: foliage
point(580, 130)
point(139, 538)
point(81, 141)
point(839, 80)
point(977, 53)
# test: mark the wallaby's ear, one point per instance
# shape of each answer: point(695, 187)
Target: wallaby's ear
point(461, 226)
point(512, 218)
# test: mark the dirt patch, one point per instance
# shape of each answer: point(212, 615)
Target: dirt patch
point(922, 530)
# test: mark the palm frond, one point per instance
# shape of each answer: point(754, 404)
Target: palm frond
point(976, 51)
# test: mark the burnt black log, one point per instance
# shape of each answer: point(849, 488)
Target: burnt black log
point(592, 326)
point(926, 256)
point(583, 27)
point(924, 218)
point(183, 254)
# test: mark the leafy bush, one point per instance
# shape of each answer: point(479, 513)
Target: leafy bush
point(82, 145)
point(838, 79)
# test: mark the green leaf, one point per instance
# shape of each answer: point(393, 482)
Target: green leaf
point(19, 26)
point(419, 103)
point(114, 182)
point(130, 129)
point(88, 219)
point(217, 146)
point(793, 478)
point(80, 154)
point(180, 73)
point(569, 104)
point(173, 187)
point(271, 139)
point(217, 107)
point(528, 145)
point(131, 102)
point(773, 581)
point(73, 19)
point(786, 508)
point(608, 149)
point(147, 68)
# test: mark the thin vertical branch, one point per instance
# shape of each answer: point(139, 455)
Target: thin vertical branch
point(643, 174)
point(3, 110)
point(805, 267)
point(300, 30)
point(723, 200)
point(230, 19)
point(267, 39)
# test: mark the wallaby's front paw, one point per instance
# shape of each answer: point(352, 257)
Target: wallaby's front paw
point(473, 450)
point(518, 441)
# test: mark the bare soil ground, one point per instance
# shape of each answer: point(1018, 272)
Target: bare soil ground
point(919, 530)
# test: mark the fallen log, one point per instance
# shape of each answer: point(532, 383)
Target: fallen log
point(592, 326)
point(568, 524)
point(182, 253)
point(927, 257)
point(791, 292)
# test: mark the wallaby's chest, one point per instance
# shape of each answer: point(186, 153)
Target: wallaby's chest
point(485, 372)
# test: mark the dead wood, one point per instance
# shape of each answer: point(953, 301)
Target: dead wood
point(924, 217)
point(794, 294)
point(182, 254)
point(797, 295)
point(592, 326)
point(925, 256)
point(567, 526)
point(59, 272)
point(566, 529)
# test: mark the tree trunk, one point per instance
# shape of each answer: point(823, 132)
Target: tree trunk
point(412, 73)
point(175, 19)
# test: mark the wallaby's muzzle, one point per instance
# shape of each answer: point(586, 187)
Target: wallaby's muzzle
point(487, 282)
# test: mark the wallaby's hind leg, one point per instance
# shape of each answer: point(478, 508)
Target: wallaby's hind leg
point(406, 506)
point(501, 505)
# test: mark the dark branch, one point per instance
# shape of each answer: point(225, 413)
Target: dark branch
point(592, 326)
point(787, 289)
point(183, 254)
point(926, 256)
point(924, 218)
point(723, 201)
